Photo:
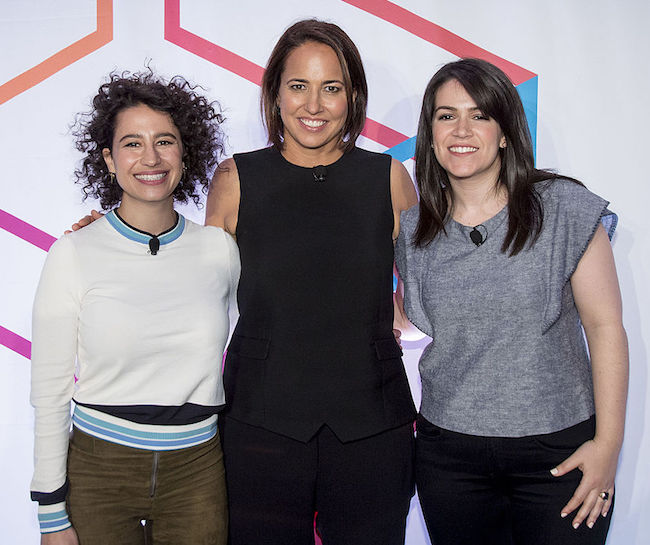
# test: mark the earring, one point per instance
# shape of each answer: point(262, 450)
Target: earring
point(111, 176)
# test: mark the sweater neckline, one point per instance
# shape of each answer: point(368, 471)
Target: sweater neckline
point(143, 237)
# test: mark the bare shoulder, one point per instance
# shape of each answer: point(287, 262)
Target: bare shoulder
point(402, 192)
point(223, 197)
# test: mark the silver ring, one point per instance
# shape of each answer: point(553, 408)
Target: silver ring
point(604, 495)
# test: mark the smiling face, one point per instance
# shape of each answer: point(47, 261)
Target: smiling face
point(313, 105)
point(465, 141)
point(146, 156)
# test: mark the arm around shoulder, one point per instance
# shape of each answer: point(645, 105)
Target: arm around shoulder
point(223, 198)
point(402, 192)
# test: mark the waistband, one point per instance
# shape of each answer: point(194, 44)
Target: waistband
point(142, 436)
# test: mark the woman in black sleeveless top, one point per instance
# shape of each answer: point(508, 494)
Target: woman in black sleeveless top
point(319, 417)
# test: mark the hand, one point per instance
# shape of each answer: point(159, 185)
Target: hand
point(64, 537)
point(397, 334)
point(597, 460)
point(86, 220)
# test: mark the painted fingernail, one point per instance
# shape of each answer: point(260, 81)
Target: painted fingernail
point(604, 514)
point(590, 524)
point(563, 515)
point(575, 525)
point(554, 471)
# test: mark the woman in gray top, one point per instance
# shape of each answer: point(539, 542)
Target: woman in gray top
point(503, 266)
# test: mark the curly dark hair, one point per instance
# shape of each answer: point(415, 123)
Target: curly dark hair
point(198, 122)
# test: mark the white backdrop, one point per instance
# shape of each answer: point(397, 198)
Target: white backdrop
point(592, 87)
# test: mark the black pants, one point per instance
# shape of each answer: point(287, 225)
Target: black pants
point(499, 491)
point(360, 490)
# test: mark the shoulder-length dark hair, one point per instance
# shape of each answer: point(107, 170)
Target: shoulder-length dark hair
point(496, 97)
point(354, 77)
point(197, 120)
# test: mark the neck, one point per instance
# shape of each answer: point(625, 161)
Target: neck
point(475, 203)
point(308, 157)
point(153, 218)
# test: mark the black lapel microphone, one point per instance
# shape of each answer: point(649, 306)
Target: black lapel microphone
point(477, 235)
point(320, 173)
point(154, 245)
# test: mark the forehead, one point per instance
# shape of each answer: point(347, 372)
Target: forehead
point(141, 118)
point(452, 93)
point(313, 59)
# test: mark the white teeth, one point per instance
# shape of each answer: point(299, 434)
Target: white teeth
point(151, 177)
point(462, 149)
point(313, 122)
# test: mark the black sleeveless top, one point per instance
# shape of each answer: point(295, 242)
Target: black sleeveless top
point(314, 343)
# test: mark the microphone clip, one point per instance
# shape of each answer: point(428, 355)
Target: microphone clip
point(319, 173)
point(476, 235)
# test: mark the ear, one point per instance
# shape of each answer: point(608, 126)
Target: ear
point(108, 159)
point(503, 143)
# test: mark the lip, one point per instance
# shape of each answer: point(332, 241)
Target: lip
point(313, 125)
point(152, 178)
point(462, 150)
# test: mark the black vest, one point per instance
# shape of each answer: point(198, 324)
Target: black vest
point(314, 343)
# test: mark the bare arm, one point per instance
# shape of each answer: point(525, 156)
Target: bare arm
point(403, 196)
point(223, 198)
point(598, 299)
point(402, 192)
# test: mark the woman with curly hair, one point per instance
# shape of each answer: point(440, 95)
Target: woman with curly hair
point(130, 322)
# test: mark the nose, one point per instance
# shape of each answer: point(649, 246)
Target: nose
point(463, 127)
point(313, 104)
point(150, 155)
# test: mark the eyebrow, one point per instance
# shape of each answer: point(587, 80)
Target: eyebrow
point(159, 135)
point(475, 108)
point(326, 82)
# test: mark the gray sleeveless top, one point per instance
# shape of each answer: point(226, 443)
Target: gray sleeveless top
point(507, 356)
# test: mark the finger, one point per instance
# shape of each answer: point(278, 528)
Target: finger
point(576, 500)
point(586, 508)
point(608, 503)
point(94, 214)
point(571, 463)
point(595, 511)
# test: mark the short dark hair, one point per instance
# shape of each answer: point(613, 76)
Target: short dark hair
point(354, 77)
point(496, 97)
point(197, 120)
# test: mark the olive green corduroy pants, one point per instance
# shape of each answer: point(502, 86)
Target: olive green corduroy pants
point(181, 494)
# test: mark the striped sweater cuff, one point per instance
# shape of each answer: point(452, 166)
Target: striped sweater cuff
point(53, 518)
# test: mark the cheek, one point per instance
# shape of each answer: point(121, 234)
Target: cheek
point(438, 147)
point(342, 109)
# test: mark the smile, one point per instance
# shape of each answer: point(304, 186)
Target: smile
point(151, 178)
point(462, 149)
point(312, 123)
